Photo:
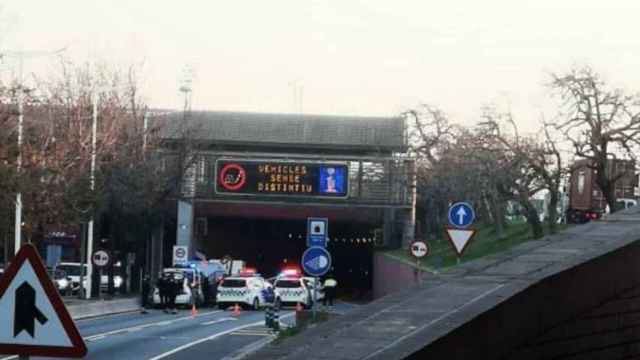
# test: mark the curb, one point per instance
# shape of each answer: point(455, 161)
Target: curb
point(103, 308)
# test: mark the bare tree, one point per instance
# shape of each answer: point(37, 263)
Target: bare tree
point(602, 124)
point(523, 163)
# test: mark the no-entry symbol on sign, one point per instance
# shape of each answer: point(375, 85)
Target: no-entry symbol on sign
point(100, 258)
point(419, 249)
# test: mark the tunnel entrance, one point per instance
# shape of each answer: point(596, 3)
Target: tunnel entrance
point(271, 244)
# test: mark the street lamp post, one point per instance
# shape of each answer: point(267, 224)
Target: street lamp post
point(18, 216)
point(94, 130)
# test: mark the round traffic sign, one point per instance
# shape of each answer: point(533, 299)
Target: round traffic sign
point(461, 215)
point(419, 249)
point(100, 258)
point(316, 261)
point(180, 253)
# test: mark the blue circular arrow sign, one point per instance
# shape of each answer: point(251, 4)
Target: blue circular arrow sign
point(316, 261)
point(461, 215)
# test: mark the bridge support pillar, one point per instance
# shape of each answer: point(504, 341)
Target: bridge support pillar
point(184, 235)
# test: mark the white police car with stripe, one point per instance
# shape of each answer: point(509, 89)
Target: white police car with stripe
point(245, 290)
point(292, 289)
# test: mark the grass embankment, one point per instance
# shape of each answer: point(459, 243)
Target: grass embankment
point(485, 242)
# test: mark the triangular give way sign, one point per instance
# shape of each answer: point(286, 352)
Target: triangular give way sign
point(460, 239)
point(33, 318)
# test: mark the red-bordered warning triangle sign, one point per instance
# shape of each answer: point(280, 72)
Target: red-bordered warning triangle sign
point(460, 238)
point(34, 320)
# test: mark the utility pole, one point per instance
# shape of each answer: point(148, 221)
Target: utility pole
point(21, 56)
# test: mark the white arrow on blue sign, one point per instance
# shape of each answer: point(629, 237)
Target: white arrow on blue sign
point(461, 215)
point(316, 261)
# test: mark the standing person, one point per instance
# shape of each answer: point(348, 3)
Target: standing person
point(162, 291)
point(206, 289)
point(144, 292)
point(330, 285)
point(175, 285)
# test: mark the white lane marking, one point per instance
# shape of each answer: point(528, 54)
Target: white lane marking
point(140, 327)
point(219, 321)
point(136, 329)
point(97, 338)
point(212, 337)
point(251, 333)
point(254, 346)
point(443, 316)
point(10, 357)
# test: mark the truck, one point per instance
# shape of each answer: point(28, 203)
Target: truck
point(586, 200)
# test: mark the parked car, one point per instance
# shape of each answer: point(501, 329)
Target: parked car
point(72, 270)
point(212, 273)
point(246, 289)
point(60, 279)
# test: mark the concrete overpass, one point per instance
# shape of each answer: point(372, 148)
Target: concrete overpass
point(575, 295)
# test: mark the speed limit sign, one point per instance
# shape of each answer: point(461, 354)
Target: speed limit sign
point(419, 249)
point(100, 258)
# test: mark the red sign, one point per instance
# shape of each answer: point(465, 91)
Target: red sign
point(38, 323)
point(233, 177)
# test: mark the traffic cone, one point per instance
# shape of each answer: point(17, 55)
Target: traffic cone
point(236, 310)
point(194, 310)
point(298, 307)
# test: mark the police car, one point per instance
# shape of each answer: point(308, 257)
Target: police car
point(246, 289)
point(292, 288)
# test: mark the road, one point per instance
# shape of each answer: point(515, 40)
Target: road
point(212, 334)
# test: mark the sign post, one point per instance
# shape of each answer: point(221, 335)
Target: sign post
point(316, 261)
point(419, 249)
point(42, 325)
point(100, 259)
point(461, 215)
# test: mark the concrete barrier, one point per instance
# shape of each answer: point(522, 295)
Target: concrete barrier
point(97, 308)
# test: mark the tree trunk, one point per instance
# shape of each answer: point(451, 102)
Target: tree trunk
point(532, 217)
point(610, 197)
point(608, 187)
point(497, 212)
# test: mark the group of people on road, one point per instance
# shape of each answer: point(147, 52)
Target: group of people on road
point(169, 286)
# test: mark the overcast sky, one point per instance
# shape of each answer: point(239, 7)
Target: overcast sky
point(352, 57)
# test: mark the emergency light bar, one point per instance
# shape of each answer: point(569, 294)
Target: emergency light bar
point(291, 271)
point(248, 272)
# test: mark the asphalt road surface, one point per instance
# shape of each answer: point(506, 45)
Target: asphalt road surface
point(212, 334)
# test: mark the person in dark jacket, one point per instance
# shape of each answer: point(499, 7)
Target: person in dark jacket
point(144, 293)
point(174, 287)
point(206, 290)
point(163, 291)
